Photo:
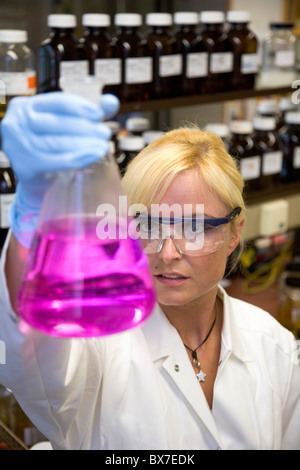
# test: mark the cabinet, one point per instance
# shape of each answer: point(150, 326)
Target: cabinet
point(288, 191)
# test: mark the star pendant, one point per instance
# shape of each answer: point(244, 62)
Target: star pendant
point(201, 376)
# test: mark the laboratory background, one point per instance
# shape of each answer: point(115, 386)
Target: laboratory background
point(245, 87)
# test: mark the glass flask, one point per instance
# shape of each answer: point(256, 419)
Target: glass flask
point(85, 275)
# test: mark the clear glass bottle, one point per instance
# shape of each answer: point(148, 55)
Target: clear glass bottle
point(59, 54)
point(278, 56)
point(244, 44)
point(186, 34)
point(290, 138)
point(166, 54)
point(135, 56)
point(242, 147)
point(266, 139)
point(86, 274)
point(220, 50)
point(17, 66)
point(101, 51)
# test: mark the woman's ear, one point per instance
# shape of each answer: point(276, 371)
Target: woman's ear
point(235, 236)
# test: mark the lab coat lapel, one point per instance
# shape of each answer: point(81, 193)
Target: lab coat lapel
point(165, 345)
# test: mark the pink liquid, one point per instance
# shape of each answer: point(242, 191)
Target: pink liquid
point(84, 286)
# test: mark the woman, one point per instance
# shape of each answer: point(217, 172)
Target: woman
point(205, 371)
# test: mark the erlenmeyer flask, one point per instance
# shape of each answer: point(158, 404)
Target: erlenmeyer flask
point(85, 275)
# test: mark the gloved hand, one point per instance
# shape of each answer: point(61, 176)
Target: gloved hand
point(44, 134)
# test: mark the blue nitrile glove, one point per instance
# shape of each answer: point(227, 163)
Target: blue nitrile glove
point(44, 134)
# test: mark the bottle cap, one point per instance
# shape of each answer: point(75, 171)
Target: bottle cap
point(137, 124)
point(4, 162)
point(264, 123)
point(62, 21)
point(241, 127)
point(131, 143)
point(238, 16)
point(128, 19)
point(114, 126)
point(292, 117)
point(13, 35)
point(150, 136)
point(267, 106)
point(159, 19)
point(212, 17)
point(186, 17)
point(218, 128)
point(95, 19)
point(281, 25)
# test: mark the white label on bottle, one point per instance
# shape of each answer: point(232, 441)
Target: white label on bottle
point(250, 167)
point(296, 157)
point(284, 59)
point(109, 71)
point(5, 203)
point(73, 67)
point(249, 63)
point(18, 83)
point(272, 163)
point(221, 62)
point(197, 64)
point(138, 70)
point(170, 65)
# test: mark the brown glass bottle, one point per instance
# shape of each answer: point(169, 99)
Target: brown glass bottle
point(101, 51)
point(188, 38)
point(244, 44)
point(59, 54)
point(166, 54)
point(219, 48)
point(7, 193)
point(290, 138)
point(133, 50)
point(267, 141)
point(242, 147)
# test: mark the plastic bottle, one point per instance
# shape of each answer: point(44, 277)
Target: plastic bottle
point(194, 60)
point(220, 51)
point(137, 125)
point(267, 141)
point(101, 51)
point(278, 56)
point(244, 44)
point(129, 147)
point(166, 54)
point(86, 276)
point(135, 56)
point(59, 54)
point(17, 66)
point(290, 138)
point(242, 147)
point(7, 194)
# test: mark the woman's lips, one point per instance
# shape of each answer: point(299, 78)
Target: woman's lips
point(171, 279)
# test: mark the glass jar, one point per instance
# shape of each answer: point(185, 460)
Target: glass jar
point(166, 54)
point(220, 50)
point(266, 140)
point(244, 43)
point(17, 66)
point(101, 51)
point(243, 148)
point(135, 57)
point(278, 56)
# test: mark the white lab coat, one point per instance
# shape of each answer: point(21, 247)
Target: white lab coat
point(138, 390)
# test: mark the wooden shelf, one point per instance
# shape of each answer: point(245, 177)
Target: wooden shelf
point(156, 105)
point(264, 195)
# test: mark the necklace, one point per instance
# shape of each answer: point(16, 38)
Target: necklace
point(201, 375)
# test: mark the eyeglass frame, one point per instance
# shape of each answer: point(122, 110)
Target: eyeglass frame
point(213, 221)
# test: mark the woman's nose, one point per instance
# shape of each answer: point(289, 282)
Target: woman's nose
point(169, 250)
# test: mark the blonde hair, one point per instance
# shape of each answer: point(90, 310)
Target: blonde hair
point(150, 173)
